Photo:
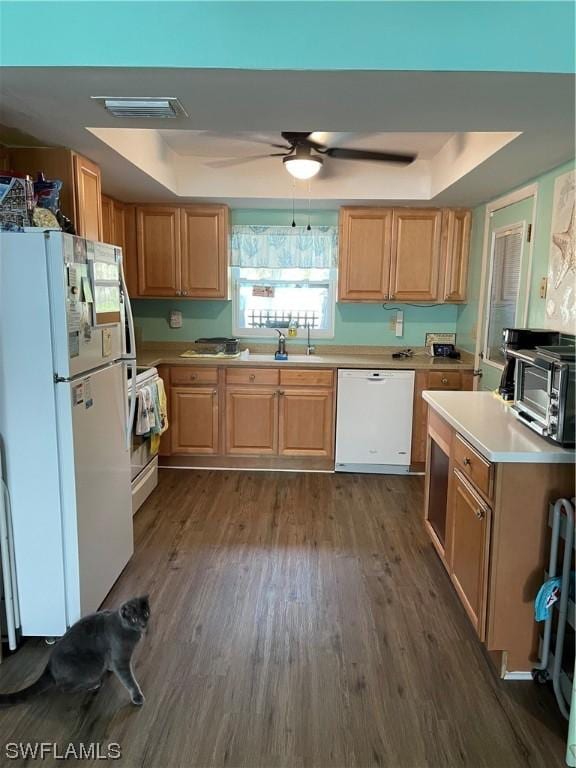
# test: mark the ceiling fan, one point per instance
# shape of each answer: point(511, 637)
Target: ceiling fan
point(303, 156)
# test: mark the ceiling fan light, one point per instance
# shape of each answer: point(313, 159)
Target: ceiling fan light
point(302, 167)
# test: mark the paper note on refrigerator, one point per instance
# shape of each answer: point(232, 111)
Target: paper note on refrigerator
point(87, 290)
point(74, 316)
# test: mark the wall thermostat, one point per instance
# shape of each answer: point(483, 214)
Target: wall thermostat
point(175, 319)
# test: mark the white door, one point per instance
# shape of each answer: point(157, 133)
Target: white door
point(98, 519)
point(505, 280)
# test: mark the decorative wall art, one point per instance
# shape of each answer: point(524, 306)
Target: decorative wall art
point(561, 294)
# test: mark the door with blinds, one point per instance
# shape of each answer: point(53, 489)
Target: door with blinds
point(506, 292)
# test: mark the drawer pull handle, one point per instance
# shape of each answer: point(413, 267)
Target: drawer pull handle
point(252, 376)
point(444, 380)
point(281, 392)
point(467, 462)
point(194, 377)
point(479, 513)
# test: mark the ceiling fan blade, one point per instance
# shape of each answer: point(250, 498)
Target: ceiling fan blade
point(228, 162)
point(366, 154)
point(251, 138)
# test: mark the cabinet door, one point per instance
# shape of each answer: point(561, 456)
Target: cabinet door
point(415, 262)
point(365, 237)
point(194, 419)
point(251, 421)
point(158, 231)
point(306, 423)
point(204, 238)
point(119, 224)
point(107, 205)
point(455, 246)
point(130, 250)
point(469, 542)
point(88, 198)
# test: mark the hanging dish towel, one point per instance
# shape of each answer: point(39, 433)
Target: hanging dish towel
point(142, 414)
point(161, 404)
point(547, 595)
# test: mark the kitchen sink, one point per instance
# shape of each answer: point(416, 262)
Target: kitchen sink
point(301, 359)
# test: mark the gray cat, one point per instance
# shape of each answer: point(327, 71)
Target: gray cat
point(101, 642)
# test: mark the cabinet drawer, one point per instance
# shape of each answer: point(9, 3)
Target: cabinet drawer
point(264, 376)
point(184, 374)
point(473, 466)
point(444, 380)
point(294, 376)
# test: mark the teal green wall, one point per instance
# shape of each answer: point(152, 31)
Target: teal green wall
point(355, 324)
point(436, 36)
point(468, 314)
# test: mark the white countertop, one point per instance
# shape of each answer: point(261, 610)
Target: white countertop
point(488, 424)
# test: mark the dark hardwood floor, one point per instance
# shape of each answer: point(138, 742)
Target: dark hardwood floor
point(299, 620)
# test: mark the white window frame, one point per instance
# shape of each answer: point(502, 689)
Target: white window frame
point(517, 226)
point(270, 333)
point(531, 190)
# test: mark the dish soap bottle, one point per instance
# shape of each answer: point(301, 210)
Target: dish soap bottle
point(293, 328)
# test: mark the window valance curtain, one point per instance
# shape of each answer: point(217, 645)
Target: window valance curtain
point(284, 247)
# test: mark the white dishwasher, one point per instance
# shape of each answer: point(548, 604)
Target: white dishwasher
point(374, 421)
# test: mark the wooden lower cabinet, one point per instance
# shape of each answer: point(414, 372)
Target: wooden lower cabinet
point(306, 422)
point(251, 421)
point(469, 519)
point(435, 380)
point(195, 423)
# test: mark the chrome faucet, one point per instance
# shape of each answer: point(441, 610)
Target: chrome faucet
point(310, 348)
point(281, 353)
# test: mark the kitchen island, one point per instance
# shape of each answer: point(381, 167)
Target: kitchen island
point(489, 483)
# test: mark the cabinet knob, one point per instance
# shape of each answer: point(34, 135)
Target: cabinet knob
point(281, 392)
point(467, 462)
point(214, 391)
point(479, 513)
point(444, 380)
point(252, 376)
point(194, 377)
point(178, 293)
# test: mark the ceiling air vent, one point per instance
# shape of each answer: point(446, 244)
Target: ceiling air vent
point(142, 106)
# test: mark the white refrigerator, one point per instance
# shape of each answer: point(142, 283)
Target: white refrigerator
point(64, 422)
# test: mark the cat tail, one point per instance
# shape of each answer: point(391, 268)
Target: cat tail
point(44, 682)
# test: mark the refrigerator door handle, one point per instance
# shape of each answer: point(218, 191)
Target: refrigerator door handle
point(131, 409)
point(128, 308)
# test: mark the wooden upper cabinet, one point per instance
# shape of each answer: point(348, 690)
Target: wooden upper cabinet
point(88, 198)
point(306, 423)
point(107, 205)
point(365, 240)
point(468, 544)
point(204, 251)
point(119, 224)
point(415, 264)
point(158, 233)
point(455, 252)
point(80, 197)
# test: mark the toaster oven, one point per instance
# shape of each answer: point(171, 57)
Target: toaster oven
point(544, 391)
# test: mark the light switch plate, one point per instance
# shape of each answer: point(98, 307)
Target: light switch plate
point(543, 287)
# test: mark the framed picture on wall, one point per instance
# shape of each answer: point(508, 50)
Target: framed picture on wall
point(561, 293)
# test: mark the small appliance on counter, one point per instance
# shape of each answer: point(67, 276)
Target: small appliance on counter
point(520, 338)
point(216, 346)
point(545, 391)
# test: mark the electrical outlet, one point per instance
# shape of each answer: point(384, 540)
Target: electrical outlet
point(543, 287)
